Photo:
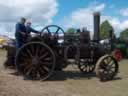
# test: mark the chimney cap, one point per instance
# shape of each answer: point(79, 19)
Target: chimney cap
point(96, 13)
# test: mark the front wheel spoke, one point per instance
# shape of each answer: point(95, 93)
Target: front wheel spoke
point(84, 69)
point(111, 65)
point(83, 66)
point(82, 63)
point(90, 68)
point(105, 72)
point(109, 60)
point(105, 61)
point(111, 71)
point(101, 70)
point(103, 66)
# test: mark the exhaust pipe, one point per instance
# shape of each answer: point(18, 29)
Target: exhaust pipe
point(96, 18)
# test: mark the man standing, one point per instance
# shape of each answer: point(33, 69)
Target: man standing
point(29, 29)
point(20, 33)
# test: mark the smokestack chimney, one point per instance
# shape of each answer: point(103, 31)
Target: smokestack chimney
point(96, 27)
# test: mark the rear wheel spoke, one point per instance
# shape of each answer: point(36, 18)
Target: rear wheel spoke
point(45, 69)
point(27, 67)
point(29, 71)
point(44, 55)
point(37, 51)
point(29, 53)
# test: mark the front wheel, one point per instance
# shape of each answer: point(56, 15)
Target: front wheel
point(106, 68)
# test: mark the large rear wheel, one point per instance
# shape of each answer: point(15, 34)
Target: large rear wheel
point(35, 60)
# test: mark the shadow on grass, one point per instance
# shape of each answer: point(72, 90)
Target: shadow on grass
point(64, 75)
point(115, 79)
point(75, 75)
point(15, 74)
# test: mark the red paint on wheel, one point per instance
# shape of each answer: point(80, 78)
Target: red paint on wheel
point(117, 54)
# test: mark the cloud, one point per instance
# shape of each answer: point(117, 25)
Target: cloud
point(38, 11)
point(84, 17)
point(124, 24)
point(99, 7)
point(124, 12)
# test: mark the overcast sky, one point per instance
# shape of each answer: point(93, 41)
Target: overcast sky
point(66, 13)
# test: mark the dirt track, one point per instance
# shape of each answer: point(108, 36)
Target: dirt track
point(67, 83)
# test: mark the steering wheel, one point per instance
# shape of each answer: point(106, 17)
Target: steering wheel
point(53, 30)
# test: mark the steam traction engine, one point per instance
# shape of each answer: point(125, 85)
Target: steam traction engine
point(51, 50)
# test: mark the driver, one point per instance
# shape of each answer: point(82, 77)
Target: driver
point(20, 32)
point(29, 29)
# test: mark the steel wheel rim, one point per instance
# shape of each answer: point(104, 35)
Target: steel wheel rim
point(55, 33)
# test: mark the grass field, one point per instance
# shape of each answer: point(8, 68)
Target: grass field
point(68, 83)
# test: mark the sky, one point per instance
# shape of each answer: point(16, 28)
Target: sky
point(65, 13)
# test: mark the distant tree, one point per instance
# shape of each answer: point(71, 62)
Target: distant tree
point(70, 35)
point(70, 31)
point(105, 30)
point(124, 35)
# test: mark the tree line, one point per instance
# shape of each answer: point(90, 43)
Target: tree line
point(105, 28)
